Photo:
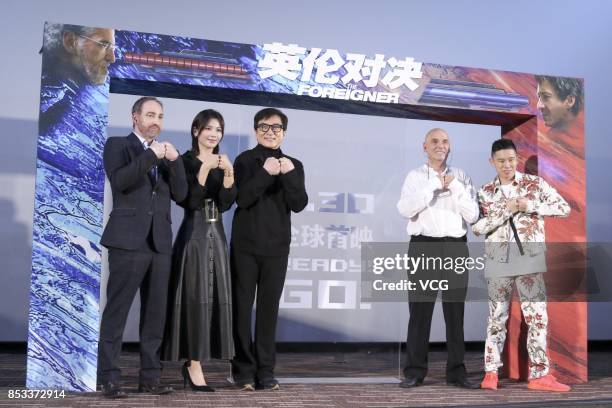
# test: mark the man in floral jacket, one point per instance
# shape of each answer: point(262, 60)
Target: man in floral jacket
point(513, 207)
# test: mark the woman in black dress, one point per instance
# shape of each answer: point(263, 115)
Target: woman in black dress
point(199, 320)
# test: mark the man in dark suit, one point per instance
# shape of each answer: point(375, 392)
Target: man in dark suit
point(144, 175)
point(270, 186)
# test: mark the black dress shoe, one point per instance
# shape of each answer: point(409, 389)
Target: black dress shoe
point(268, 384)
point(155, 389)
point(409, 382)
point(113, 390)
point(463, 383)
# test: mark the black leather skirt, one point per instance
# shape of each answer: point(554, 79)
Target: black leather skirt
point(199, 317)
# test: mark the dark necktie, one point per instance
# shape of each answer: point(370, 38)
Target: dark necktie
point(153, 170)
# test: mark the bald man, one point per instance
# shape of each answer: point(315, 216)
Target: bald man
point(439, 202)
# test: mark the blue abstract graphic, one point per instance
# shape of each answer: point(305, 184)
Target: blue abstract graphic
point(68, 208)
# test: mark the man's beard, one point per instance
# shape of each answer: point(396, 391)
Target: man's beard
point(153, 131)
point(96, 73)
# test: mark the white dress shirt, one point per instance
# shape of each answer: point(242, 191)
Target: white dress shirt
point(434, 212)
point(143, 141)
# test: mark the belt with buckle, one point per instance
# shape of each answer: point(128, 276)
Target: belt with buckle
point(211, 213)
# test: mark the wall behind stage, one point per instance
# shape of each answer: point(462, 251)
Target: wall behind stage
point(555, 37)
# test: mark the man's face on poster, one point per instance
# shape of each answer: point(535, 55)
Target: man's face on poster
point(92, 54)
point(555, 111)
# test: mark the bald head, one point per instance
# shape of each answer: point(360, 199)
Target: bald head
point(435, 132)
point(437, 146)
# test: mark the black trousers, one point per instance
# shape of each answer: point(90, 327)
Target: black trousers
point(129, 271)
point(421, 304)
point(264, 276)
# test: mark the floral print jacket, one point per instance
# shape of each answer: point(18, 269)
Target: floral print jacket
point(543, 200)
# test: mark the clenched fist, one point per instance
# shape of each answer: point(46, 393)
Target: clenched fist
point(171, 152)
point(272, 166)
point(158, 148)
point(286, 165)
point(224, 163)
point(512, 205)
point(210, 162)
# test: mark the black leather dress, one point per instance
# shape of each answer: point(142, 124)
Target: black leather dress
point(199, 318)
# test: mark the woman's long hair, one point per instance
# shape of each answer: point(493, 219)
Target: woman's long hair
point(200, 122)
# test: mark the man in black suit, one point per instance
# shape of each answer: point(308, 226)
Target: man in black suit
point(270, 186)
point(144, 175)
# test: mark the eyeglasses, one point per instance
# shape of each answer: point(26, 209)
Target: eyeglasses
point(264, 127)
point(104, 44)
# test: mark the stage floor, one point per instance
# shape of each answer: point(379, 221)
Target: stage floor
point(364, 378)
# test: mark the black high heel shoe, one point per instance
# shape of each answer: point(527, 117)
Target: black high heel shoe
point(187, 379)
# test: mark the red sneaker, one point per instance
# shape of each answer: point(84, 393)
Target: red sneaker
point(490, 381)
point(547, 383)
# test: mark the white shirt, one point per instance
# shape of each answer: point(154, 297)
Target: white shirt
point(509, 191)
point(434, 212)
point(143, 141)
